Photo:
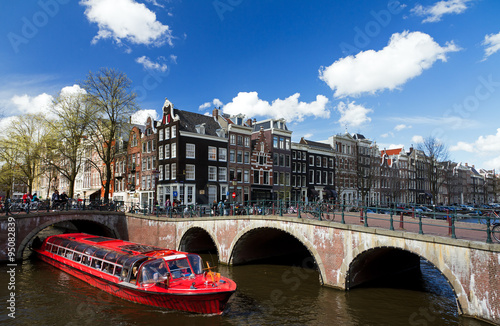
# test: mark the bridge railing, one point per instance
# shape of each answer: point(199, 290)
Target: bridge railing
point(454, 222)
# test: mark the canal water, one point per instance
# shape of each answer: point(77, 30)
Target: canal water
point(267, 294)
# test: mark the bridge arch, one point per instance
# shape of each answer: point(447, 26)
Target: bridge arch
point(405, 258)
point(196, 239)
point(246, 233)
point(81, 222)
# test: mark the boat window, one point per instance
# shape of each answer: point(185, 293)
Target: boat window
point(111, 257)
point(96, 263)
point(196, 263)
point(65, 243)
point(179, 268)
point(81, 247)
point(100, 253)
point(85, 260)
point(153, 271)
point(77, 257)
point(90, 250)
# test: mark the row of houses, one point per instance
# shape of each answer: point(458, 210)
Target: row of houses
point(201, 159)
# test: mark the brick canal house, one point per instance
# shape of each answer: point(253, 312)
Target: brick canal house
point(239, 147)
point(192, 158)
point(262, 167)
point(278, 138)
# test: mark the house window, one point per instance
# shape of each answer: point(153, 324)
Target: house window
point(275, 141)
point(167, 171)
point(167, 151)
point(247, 141)
point(160, 134)
point(173, 171)
point(246, 176)
point(239, 176)
point(144, 147)
point(223, 154)
point(247, 158)
point(174, 150)
point(240, 140)
point(287, 161)
point(174, 131)
point(275, 177)
point(256, 177)
point(287, 142)
point(167, 133)
point(160, 152)
point(231, 175)
point(212, 194)
point(232, 157)
point(222, 174)
point(212, 153)
point(232, 139)
point(190, 151)
point(311, 160)
point(212, 173)
point(282, 143)
point(190, 172)
point(239, 157)
point(266, 178)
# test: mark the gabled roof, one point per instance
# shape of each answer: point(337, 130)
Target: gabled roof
point(391, 152)
point(189, 120)
point(315, 144)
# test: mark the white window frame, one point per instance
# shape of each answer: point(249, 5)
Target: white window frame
point(190, 172)
point(190, 150)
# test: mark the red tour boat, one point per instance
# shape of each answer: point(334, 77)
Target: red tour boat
point(139, 273)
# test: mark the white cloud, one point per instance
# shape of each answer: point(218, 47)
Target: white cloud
point(27, 104)
point(216, 103)
point(417, 139)
point(173, 58)
point(394, 146)
point(406, 56)
point(401, 127)
point(308, 136)
point(126, 20)
point(448, 122)
point(439, 9)
point(70, 90)
point(492, 44)
point(484, 144)
point(150, 65)
point(141, 116)
point(387, 135)
point(493, 163)
point(353, 115)
point(249, 104)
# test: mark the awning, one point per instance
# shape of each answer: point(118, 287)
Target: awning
point(312, 192)
point(330, 192)
point(92, 192)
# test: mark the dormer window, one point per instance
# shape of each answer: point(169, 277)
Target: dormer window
point(200, 128)
point(221, 133)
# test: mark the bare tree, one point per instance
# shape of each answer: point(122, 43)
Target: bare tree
point(109, 93)
point(435, 153)
point(69, 130)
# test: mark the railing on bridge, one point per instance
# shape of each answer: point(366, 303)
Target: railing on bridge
point(475, 224)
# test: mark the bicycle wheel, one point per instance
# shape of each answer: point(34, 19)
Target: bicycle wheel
point(495, 232)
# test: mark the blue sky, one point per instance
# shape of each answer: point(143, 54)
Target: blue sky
point(394, 71)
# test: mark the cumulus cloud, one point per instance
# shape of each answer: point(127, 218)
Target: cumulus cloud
point(215, 103)
point(353, 115)
point(492, 44)
point(417, 139)
point(126, 20)
point(25, 104)
point(159, 65)
point(291, 109)
point(439, 9)
point(484, 144)
point(406, 56)
point(387, 134)
point(141, 116)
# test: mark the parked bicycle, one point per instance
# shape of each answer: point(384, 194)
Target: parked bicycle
point(495, 231)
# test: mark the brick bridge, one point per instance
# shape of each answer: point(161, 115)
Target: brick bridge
point(345, 255)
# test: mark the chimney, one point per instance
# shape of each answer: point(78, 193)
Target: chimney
point(215, 114)
point(249, 122)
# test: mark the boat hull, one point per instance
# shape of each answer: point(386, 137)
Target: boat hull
point(203, 303)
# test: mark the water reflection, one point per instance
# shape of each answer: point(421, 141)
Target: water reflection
point(267, 295)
